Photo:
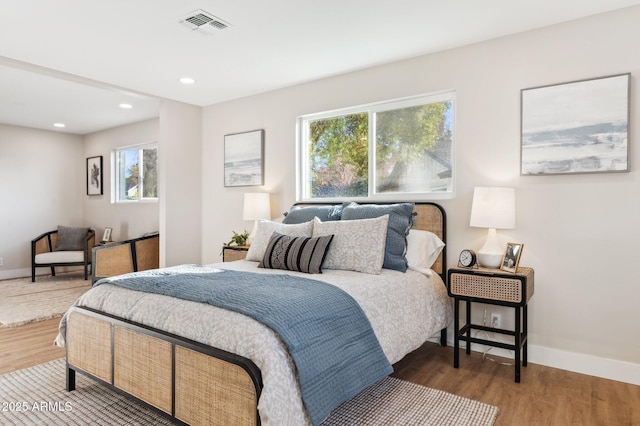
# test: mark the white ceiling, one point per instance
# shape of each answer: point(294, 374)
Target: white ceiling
point(75, 60)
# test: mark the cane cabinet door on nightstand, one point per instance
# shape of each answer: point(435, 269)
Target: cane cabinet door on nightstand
point(231, 253)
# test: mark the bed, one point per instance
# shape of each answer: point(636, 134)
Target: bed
point(202, 364)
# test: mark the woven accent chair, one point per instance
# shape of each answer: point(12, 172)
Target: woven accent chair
point(63, 247)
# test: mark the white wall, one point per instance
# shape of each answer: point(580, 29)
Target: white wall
point(580, 232)
point(31, 201)
point(128, 220)
point(179, 183)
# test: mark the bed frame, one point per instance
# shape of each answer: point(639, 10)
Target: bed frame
point(190, 382)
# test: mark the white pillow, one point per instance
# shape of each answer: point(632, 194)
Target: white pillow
point(266, 228)
point(423, 249)
point(358, 245)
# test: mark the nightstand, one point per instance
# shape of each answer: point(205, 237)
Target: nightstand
point(494, 287)
point(231, 253)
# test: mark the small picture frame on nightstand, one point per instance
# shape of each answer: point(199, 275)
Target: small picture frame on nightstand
point(511, 257)
point(106, 237)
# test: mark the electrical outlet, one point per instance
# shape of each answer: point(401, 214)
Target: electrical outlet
point(495, 320)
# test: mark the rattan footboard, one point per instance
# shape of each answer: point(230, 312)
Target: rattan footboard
point(185, 380)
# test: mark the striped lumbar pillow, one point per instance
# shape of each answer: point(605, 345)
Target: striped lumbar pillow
point(302, 254)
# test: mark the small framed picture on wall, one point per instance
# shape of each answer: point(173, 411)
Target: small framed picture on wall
point(94, 175)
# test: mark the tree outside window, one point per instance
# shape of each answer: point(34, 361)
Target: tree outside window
point(409, 144)
point(137, 176)
point(338, 156)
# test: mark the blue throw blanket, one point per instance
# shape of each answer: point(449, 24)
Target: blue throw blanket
point(328, 336)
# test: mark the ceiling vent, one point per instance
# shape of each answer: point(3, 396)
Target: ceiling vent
point(204, 22)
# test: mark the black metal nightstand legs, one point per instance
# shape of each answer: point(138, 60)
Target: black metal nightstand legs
point(519, 334)
point(468, 326)
point(526, 334)
point(456, 338)
point(517, 343)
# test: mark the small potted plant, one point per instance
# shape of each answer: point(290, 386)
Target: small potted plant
point(237, 239)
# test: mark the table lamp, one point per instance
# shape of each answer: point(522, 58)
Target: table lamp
point(256, 207)
point(493, 208)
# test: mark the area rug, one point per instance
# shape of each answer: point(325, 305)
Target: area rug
point(49, 297)
point(36, 396)
point(397, 402)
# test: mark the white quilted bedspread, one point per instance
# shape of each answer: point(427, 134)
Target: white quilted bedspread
point(404, 309)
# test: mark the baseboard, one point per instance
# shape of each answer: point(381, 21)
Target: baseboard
point(15, 273)
point(26, 272)
point(605, 368)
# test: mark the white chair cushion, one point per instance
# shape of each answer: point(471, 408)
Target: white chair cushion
point(60, 257)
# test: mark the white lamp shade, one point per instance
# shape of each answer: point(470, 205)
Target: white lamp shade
point(256, 206)
point(493, 207)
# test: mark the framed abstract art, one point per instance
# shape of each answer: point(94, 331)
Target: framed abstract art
point(94, 175)
point(244, 159)
point(576, 127)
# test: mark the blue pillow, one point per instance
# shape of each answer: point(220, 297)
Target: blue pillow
point(305, 214)
point(400, 222)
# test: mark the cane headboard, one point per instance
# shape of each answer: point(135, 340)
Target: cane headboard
point(429, 217)
point(432, 217)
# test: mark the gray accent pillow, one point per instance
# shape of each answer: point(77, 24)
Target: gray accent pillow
point(266, 228)
point(71, 239)
point(302, 254)
point(305, 214)
point(400, 222)
point(358, 245)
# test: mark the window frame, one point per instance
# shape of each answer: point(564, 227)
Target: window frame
point(302, 148)
point(115, 173)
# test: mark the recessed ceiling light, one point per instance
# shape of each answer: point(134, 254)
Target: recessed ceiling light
point(61, 125)
point(187, 80)
point(126, 106)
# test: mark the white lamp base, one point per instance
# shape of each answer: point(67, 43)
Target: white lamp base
point(491, 254)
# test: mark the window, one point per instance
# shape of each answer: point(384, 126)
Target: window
point(398, 147)
point(136, 173)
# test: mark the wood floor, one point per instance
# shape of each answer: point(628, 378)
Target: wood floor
point(546, 396)
point(29, 345)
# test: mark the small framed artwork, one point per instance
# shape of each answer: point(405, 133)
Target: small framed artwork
point(511, 257)
point(576, 127)
point(94, 175)
point(243, 159)
point(106, 237)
